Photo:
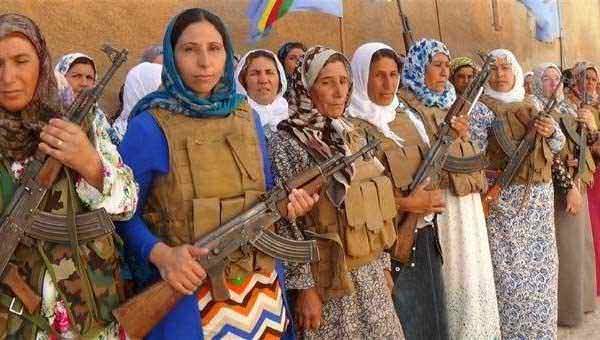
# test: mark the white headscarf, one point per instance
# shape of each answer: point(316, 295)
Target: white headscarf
point(361, 105)
point(141, 80)
point(517, 93)
point(271, 114)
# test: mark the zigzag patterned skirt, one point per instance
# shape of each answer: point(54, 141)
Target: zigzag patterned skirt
point(255, 310)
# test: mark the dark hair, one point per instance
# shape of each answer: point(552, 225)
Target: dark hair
point(194, 15)
point(287, 47)
point(250, 58)
point(83, 61)
point(386, 53)
point(453, 74)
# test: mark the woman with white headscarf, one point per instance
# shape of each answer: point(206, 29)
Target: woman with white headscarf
point(456, 300)
point(260, 76)
point(141, 80)
point(521, 222)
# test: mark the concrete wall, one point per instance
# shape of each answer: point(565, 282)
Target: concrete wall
point(465, 26)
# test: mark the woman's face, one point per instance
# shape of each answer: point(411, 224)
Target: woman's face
point(291, 59)
point(591, 81)
point(550, 81)
point(262, 80)
point(81, 77)
point(330, 90)
point(19, 72)
point(200, 57)
point(437, 72)
point(462, 78)
point(502, 77)
point(383, 81)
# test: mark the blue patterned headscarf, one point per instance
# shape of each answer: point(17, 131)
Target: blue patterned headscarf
point(176, 97)
point(413, 73)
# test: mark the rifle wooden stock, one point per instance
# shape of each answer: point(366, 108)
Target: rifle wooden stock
point(139, 317)
point(405, 233)
point(21, 289)
point(49, 172)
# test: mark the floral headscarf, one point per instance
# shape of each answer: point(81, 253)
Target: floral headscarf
point(460, 62)
point(517, 93)
point(579, 73)
point(19, 131)
point(413, 73)
point(176, 97)
point(65, 63)
point(538, 89)
point(322, 136)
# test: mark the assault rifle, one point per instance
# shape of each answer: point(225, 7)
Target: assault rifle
point(22, 220)
point(249, 229)
point(406, 31)
point(582, 146)
point(517, 157)
point(437, 158)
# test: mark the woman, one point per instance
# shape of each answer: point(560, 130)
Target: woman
point(288, 56)
point(585, 80)
point(80, 71)
point(462, 71)
point(521, 222)
point(141, 80)
point(77, 283)
point(345, 295)
point(576, 271)
point(463, 298)
point(528, 83)
point(260, 76)
point(198, 154)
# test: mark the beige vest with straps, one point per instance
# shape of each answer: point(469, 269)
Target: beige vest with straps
point(569, 126)
point(461, 184)
point(537, 167)
point(215, 173)
point(357, 233)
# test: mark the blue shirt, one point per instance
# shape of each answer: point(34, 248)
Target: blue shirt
point(145, 150)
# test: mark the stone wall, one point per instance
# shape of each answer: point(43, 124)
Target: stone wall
point(465, 26)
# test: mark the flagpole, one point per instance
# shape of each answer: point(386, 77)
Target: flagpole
point(342, 39)
point(560, 36)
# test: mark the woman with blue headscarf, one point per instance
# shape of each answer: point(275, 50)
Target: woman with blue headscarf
point(197, 151)
point(456, 300)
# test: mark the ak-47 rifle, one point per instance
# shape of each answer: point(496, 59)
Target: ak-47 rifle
point(437, 158)
point(517, 158)
point(249, 229)
point(22, 220)
point(583, 134)
point(406, 31)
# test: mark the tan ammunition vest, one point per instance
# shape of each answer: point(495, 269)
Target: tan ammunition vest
point(357, 233)
point(569, 126)
point(215, 173)
point(537, 167)
point(461, 184)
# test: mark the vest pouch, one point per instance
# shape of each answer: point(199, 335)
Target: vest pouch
point(387, 204)
point(355, 234)
point(404, 163)
point(206, 216)
point(331, 272)
point(247, 157)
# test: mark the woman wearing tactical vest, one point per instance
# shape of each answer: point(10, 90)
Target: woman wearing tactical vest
point(585, 80)
point(521, 222)
point(456, 300)
point(76, 277)
point(574, 240)
point(260, 76)
point(199, 155)
point(345, 295)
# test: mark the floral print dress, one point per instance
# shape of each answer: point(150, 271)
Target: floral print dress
point(523, 248)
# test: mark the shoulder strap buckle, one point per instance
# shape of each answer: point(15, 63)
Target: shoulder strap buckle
point(15, 303)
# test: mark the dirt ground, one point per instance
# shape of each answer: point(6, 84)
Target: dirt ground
point(589, 330)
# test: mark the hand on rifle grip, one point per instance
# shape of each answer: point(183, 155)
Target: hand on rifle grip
point(584, 115)
point(422, 200)
point(179, 266)
point(300, 203)
point(544, 126)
